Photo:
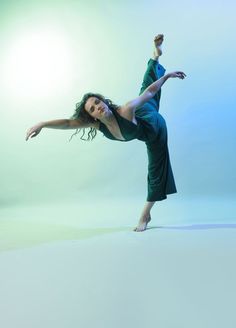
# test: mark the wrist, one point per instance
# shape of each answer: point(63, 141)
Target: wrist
point(42, 124)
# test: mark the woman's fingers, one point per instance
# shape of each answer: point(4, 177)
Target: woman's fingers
point(30, 134)
point(34, 134)
point(178, 74)
point(27, 135)
point(182, 75)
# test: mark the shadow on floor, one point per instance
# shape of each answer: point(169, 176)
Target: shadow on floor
point(202, 226)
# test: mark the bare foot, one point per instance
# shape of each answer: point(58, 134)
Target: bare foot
point(158, 42)
point(143, 222)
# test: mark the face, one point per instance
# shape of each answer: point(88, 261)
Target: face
point(96, 108)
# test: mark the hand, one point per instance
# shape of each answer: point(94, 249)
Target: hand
point(34, 131)
point(180, 75)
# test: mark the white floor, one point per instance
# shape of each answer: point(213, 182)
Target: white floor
point(77, 265)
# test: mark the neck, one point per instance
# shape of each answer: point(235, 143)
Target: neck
point(109, 119)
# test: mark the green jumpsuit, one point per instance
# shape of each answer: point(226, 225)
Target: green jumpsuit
point(150, 128)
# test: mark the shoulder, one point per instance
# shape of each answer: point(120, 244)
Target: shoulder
point(124, 111)
point(128, 112)
point(132, 105)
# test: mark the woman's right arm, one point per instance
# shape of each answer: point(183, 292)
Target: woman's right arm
point(56, 124)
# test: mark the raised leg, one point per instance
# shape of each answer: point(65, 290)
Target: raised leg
point(160, 177)
point(154, 71)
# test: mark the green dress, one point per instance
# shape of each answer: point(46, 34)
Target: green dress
point(150, 128)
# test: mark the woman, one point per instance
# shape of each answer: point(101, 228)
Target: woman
point(137, 119)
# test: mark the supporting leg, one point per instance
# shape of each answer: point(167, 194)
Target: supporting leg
point(160, 177)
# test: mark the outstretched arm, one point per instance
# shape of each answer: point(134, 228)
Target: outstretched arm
point(152, 90)
point(56, 124)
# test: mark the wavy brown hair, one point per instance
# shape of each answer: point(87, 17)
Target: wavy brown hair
point(81, 114)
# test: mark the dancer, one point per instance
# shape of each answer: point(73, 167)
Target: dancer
point(137, 119)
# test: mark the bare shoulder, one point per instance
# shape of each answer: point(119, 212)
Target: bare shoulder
point(134, 104)
point(127, 112)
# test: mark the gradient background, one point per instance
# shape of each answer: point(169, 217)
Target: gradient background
point(52, 52)
point(55, 51)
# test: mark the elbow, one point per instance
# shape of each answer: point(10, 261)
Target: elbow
point(150, 93)
point(75, 124)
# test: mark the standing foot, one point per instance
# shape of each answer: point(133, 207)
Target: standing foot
point(143, 222)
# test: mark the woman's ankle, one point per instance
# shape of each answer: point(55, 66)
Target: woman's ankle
point(145, 215)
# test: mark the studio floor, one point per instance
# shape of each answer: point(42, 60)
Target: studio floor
point(79, 264)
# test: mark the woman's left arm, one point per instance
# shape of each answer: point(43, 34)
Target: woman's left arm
point(150, 92)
